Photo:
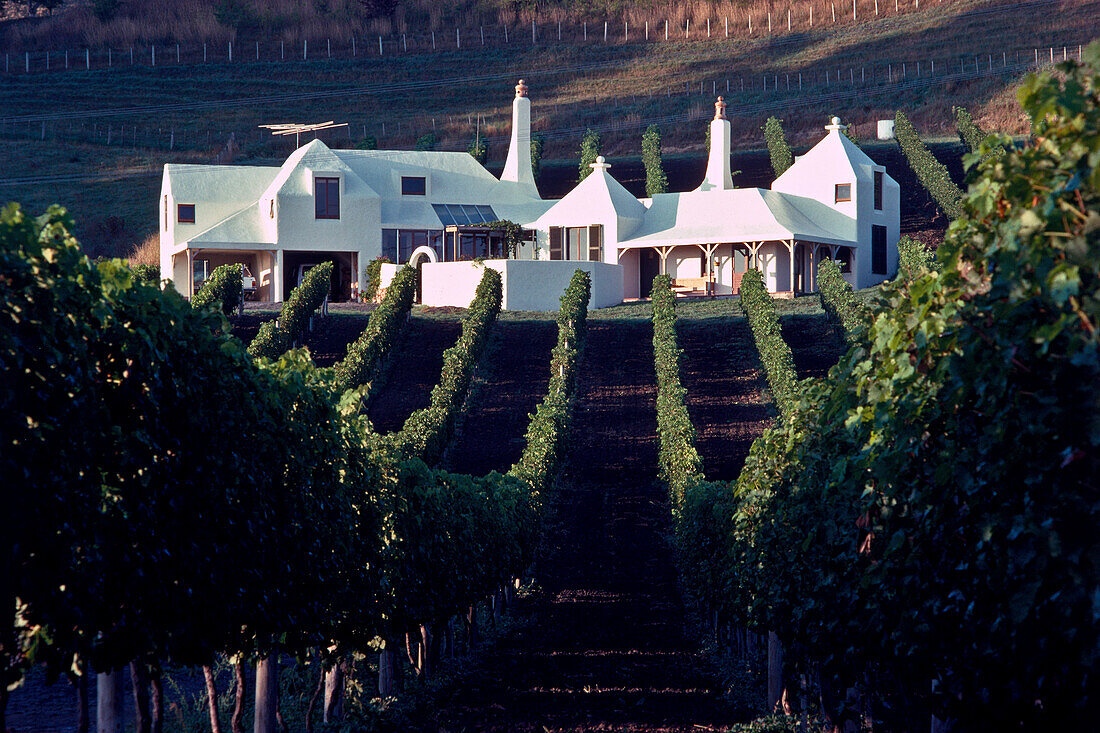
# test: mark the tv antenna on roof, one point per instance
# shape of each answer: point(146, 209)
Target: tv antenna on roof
point(296, 129)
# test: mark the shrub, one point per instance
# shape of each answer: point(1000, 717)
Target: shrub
point(224, 287)
point(549, 426)
point(839, 302)
point(778, 149)
point(590, 150)
point(931, 173)
point(276, 336)
point(426, 432)
point(679, 462)
point(374, 276)
point(775, 355)
point(969, 133)
point(479, 149)
point(914, 258)
point(427, 141)
point(149, 274)
point(370, 142)
point(363, 355)
point(537, 144)
point(655, 179)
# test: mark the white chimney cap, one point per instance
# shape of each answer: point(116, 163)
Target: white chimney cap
point(834, 124)
point(600, 164)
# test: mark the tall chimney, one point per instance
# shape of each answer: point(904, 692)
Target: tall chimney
point(718, 163)
point(517, 168)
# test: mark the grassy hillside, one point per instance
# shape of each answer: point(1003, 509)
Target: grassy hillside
point(97, 139)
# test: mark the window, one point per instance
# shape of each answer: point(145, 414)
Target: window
point(413, 186)
point(844, 259)
point(878, 250)
point(595, 242)
point(878, 190)
point(576, 243)
point(556, 243)
point(200, 271)
point(843, 192)
point(326, 192)
point(185, 213)
point(389, 244)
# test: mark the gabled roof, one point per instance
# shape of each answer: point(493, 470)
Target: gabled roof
point(244, 183)
point(834, 153)
point(315, 156)
point(455, 177)
point(739, 215)
point(599, 195)
point(246, 226)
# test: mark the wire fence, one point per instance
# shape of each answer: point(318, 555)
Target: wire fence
point(773, 91)
point(796, 19)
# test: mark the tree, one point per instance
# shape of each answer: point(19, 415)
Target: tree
point(479, 149)
point(590, 150)
point(778, 149)
point(655, 179)
point(537, 143)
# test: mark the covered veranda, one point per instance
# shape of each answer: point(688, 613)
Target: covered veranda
point(716, 268)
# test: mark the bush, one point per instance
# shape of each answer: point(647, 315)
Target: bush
point(775, 355)
point(374, 276)
point(224, 287)
point(655, 179)
point(778, 149)
point(479, 149)
point(931, 511)
point(149, 274)
point(679, 463)
point(931, 173)
point(275, 337)
point(549, 426)
point(590, 150)
point(839, 302)
point(363, 355)
point(537, 144)
point(969, 133)
point(427, 142)
point(914, 258)
point(426, 432)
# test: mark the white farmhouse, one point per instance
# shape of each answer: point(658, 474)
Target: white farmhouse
point(430, 208)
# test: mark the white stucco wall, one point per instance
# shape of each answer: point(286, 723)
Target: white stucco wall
point(527, 284)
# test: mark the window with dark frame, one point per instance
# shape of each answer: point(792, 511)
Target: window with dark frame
point(843, 192)
point(326, 193)
point(414, 186)
point(878, 250)
point(556, 237)
point(185, 213)
point(595, 243)
point(878, 190)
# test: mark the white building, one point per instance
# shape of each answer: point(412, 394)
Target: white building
point(351, 206)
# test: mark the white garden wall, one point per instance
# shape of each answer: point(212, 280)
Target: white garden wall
point(535, 285)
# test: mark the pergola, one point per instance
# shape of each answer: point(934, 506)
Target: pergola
point(751, 249)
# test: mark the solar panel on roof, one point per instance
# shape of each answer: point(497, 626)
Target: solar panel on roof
point(463, 214)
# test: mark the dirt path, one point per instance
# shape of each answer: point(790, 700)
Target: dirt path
point(493, 432)
point(411, 378)
point(815, 344)
point(721, 372)
point(605, 647)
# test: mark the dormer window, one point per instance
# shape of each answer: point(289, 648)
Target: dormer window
point(185, 213)
point(878, 190)
point(843, 192)
point(414, 186)
point(326, 193)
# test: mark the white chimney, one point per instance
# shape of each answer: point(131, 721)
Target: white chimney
point(718, 163)
point(517, 168)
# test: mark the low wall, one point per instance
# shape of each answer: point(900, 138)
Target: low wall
point(529, 285)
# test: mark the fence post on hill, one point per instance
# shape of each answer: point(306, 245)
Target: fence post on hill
point(605, 31)
point(257, 50)
point(305, 49)
point(152, 56)
point(853, 9)
point(458, 41)
point(353, 45)
point(177, 53)
point(87, 60)
point(328, 47)
point(27, 60)
point(533, 29)
point(666, 30)
point(379, 45)
point(231, 52)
